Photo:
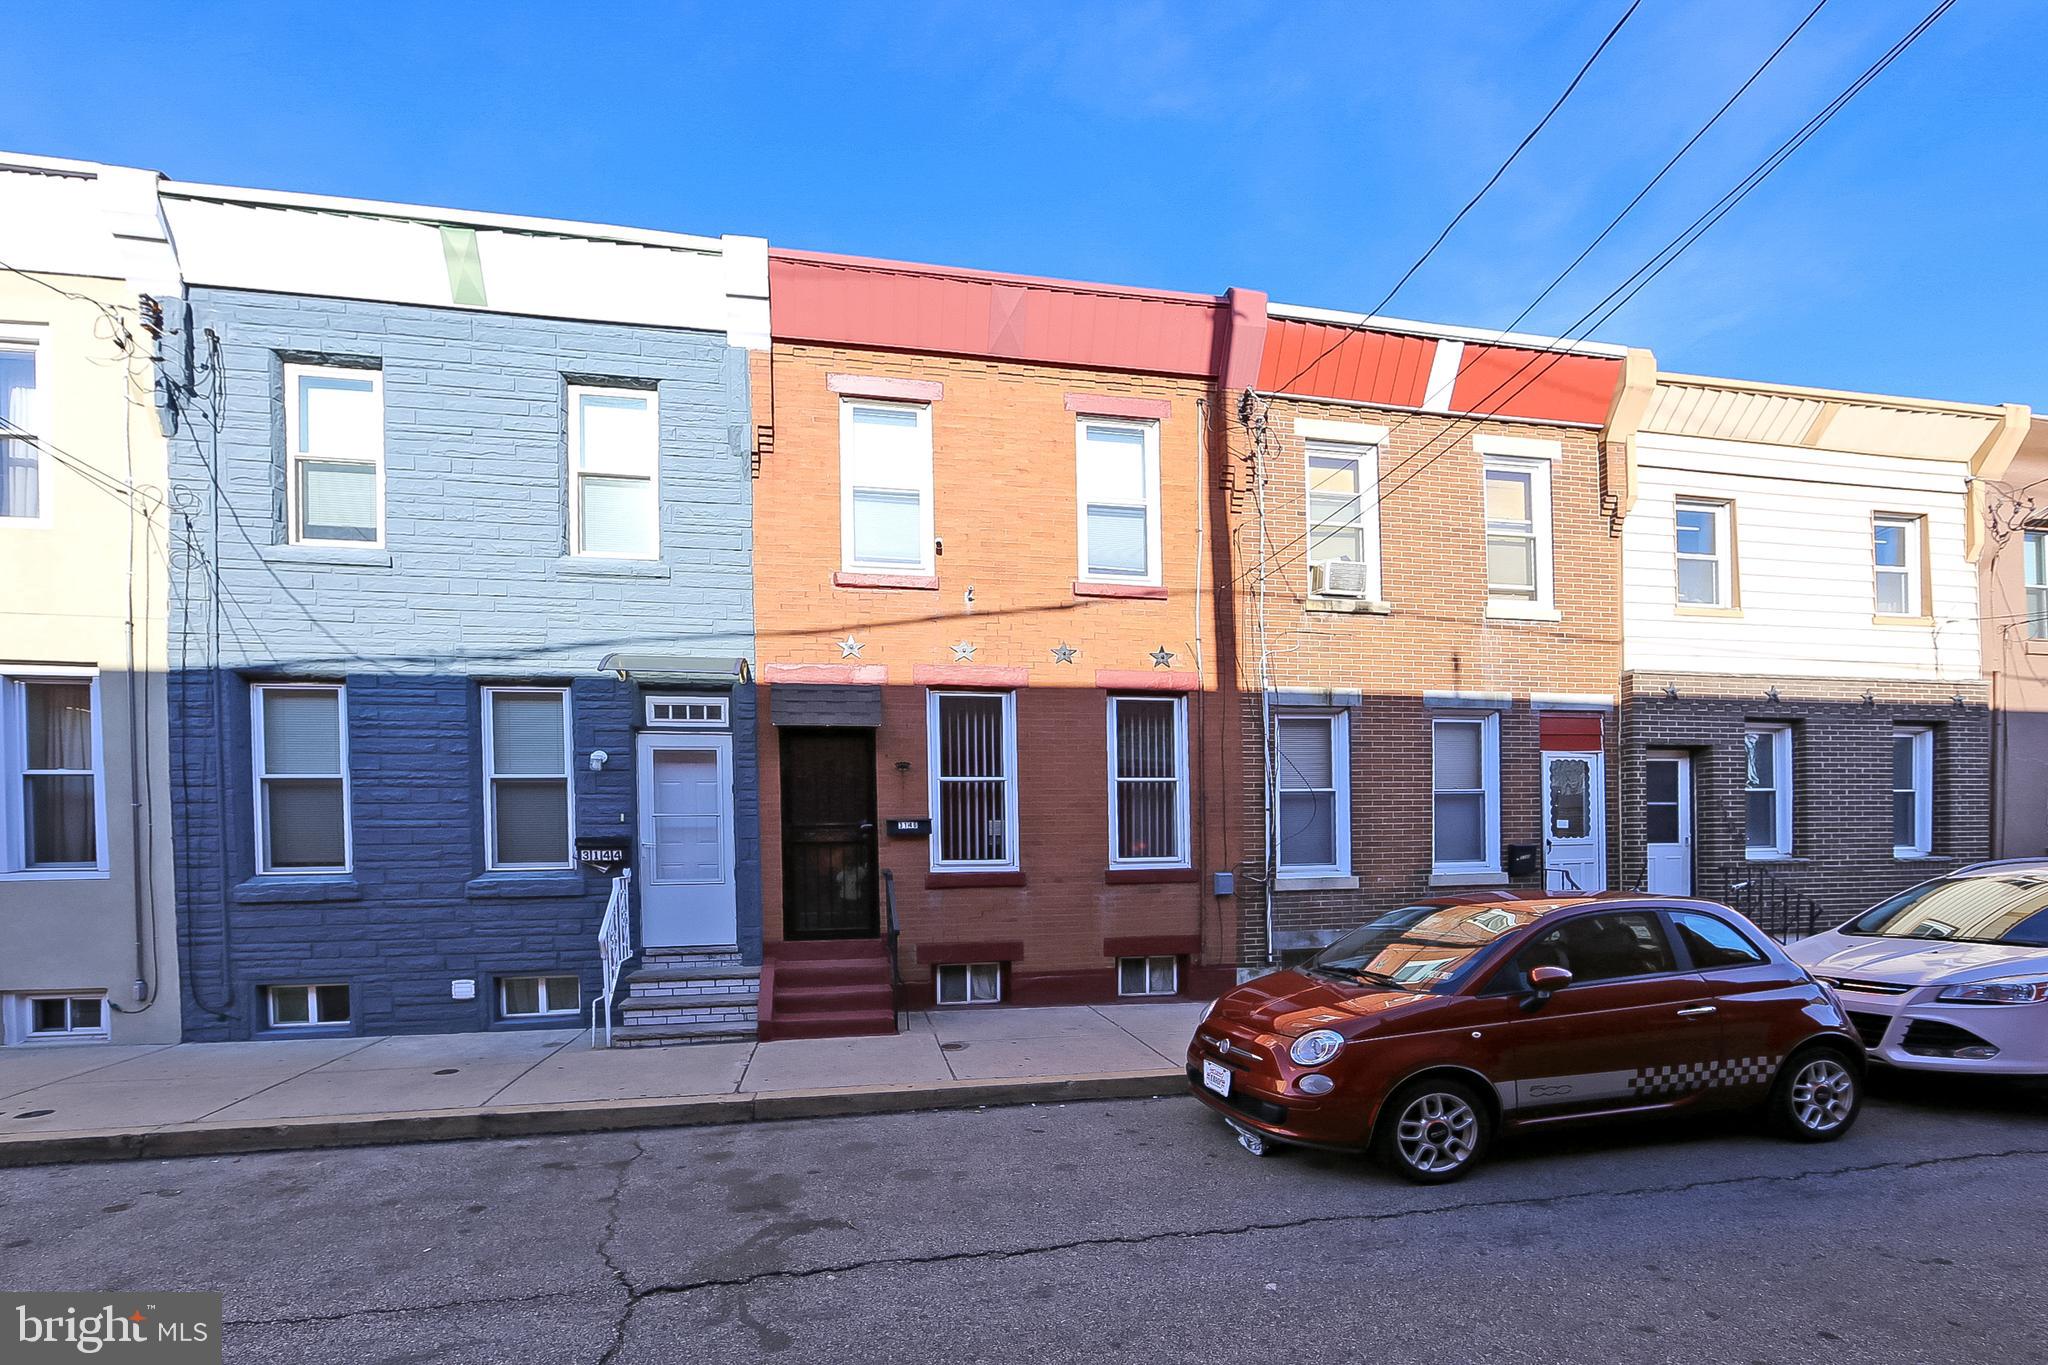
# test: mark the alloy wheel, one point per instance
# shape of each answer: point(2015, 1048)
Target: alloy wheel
point(1823, 1094)
point(1437, 1132)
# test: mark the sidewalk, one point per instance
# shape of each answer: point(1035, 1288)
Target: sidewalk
point(72, 1103)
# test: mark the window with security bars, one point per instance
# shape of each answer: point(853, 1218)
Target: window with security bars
point(334, 443)
point(301, 756)
point(21, 459)
point(614, 488)
point(51, 799)
point(974, 783)
point(2034, 551)
point(526, 777)
point(1148, 807)
point(1148, 976)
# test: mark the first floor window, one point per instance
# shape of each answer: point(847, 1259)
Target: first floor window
point(968, 983)
point(2035, 561)
point(526, 777)
point(1148, 807)
point(614, 491)
point(524, 997)
point(1895, 551)
point(1767, 790)
point(1912, 791)
point(306, 1006)
point(1147, 976)
point(67, 1016)
point(334, 462)
point(1119, 495)
point(974, 779)
point(1311, 767)
point(49, 748)
point(21, 459)
point(1465, 794)
point(301, 753)
point(885, 456)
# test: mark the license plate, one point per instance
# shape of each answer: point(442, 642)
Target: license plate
point(1216, 1077)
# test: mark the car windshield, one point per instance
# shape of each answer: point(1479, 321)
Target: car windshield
point(2004, 907)
point(1419, 947)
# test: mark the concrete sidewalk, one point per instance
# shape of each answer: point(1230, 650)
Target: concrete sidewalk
point(68, 1103)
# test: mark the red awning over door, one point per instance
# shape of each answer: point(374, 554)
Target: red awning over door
point(1569, 731)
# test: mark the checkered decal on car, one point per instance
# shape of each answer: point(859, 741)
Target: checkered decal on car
point(1655, 1082)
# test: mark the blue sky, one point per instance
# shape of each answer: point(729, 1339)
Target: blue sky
point(1308, 150)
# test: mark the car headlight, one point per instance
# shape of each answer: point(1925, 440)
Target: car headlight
point(1998, 993)
point(1316, 1047)
point(1209, 1011)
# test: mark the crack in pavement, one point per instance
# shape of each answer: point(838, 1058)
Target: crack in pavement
point(487, 1301)
point(615, 1205)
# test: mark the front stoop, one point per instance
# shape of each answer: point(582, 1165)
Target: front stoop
point(688, 996)
point(831, 989)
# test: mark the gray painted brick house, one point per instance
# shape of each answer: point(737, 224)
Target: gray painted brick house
point(461, 599)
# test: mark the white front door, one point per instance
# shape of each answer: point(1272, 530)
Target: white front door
point(685, 872)
point(1574, 823)
point(1667, 824)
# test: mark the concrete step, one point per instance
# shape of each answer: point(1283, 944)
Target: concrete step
point(670, 1035)
point(696, 971)
point(641, 1004)
point(687, 957)
point(834, 1024)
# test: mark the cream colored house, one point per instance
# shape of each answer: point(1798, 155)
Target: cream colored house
point(88, 943)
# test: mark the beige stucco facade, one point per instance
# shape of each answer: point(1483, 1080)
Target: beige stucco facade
point(86, 909)
point(2016, 649)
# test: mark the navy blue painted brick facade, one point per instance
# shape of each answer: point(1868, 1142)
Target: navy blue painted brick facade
point(473, 588)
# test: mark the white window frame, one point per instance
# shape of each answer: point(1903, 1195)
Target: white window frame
point(718, 712)
point(646, 467)
point(35, 342)
point(548, 1009)
point(1913, 537)
point(492, 777)
point(1488, 723)
point(1779, 737)
point(1922, 738)
point(1723, 559)
point(1521, 455)
point(1172, 964)
point(1339, 721)
point(312, 990)
point(1361, 445)
point(294, 457)
point(14, 865)
point(967, 995)
point(927, 525)
point(1013, 840)
point(20, 1018)
point(257, 693)
point(2034, 580)
point(1149, 431)
point(1180, 779)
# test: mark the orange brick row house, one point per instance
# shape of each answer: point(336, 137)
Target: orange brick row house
point(997, 735)
point(1428, 570)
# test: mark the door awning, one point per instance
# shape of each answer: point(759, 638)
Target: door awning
point(677, 670)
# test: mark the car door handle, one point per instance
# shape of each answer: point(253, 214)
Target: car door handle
point(1696, 1011)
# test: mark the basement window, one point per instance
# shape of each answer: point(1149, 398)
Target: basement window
point(1148, 976)
point(306, 1006)
point(530, 997)
point(56, 1018)
point(969, 983)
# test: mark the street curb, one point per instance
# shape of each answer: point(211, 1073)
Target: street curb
point(599, 1116)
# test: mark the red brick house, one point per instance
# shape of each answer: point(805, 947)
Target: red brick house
point(1427, 590)
point(995, 706)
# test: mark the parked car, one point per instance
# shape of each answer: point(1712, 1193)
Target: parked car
point(1951, 975)
point(1424, 1034)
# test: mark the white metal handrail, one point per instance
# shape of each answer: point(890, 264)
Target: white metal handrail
point(614, 947)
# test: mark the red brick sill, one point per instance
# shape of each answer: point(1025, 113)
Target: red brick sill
point(1149, 876)
point(911, 581)
point(937, 880)
point(1127, 590)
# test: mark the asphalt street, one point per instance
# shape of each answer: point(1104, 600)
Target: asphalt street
point(1134, 1230)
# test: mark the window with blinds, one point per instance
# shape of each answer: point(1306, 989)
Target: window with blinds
point(52, 797)
point(527, 805)
point(1465, 796)
point(300, 735)
point(21, 461)
point(2034, 560)
point(886, 486)
point(974, 782)
point(1119, 496)
point(614, 485)
point(1311, 801)
point(1148, 800)
point(334, 443)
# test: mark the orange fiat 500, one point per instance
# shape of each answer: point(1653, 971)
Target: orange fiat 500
point(1422, 1035)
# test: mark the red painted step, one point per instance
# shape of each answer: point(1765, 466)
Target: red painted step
point(833, 989)
point(837, 1024)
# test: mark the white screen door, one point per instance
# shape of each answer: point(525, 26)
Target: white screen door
point(1574, 823)
point(1667, 824)
point(686, 858)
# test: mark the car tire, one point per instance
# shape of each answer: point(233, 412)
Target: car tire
point(1432, 1131)
point(1817, 1095)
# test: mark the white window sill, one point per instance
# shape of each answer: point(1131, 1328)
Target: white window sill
point(57, 874)
point(1916, 855)
point(1765, 855)
point(598, 566)
point(359, 556)
point(1487, 877)
point(1499, 610)
point(1356, 606)
point(1291, 881)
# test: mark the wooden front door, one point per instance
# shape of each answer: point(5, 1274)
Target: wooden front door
point(828, 833)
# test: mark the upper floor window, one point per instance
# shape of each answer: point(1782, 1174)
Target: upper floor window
point(1705, 545)
point(1343, 518)
point(527, 806)
point(334, 443)
point(1465, 794)
point(1912, 791)
point(1312, 793)
point(1767, 790)
point(49, 763)
point(301, 757)
point(614, 482)
point(1895, 550)
point(2034, 551)
point(973, 761)
point(1148, 798)
point(21, 424)
point(1518, 532)
point(885, 510)
point(1119, 497)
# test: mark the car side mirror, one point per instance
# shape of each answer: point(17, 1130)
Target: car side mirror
point(1545, 980)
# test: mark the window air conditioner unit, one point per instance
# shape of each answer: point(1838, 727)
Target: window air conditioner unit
point(1342, 578)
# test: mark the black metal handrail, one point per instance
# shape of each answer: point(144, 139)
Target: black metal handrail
point(895, 967)
point(1770, 902)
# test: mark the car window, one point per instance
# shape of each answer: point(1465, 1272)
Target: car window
point(2008, 906)
point(1419, 947)
point(1593, 948)
point(1714, 942)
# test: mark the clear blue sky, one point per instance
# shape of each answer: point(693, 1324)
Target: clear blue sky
point(1309, 150)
